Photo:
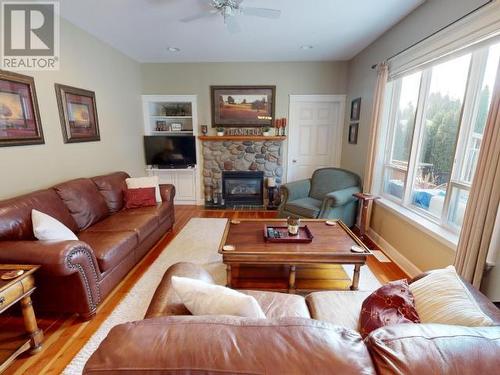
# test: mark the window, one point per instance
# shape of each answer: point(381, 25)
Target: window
point(434, 128)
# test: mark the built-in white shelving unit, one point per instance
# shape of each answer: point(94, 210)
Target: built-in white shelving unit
point(175, 115)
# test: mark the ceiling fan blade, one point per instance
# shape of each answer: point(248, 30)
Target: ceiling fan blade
point(232, 25)
point(261, 12)
point(198, 16)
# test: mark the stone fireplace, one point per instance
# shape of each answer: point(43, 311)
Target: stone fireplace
point(249, 154)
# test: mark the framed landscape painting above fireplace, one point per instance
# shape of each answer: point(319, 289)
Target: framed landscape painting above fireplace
point(245, 106)
point(19, 115)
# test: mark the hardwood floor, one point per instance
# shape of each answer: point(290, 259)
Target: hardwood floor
point(66, 334)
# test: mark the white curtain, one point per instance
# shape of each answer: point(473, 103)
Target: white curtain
point(484, 199)
point(377, 110)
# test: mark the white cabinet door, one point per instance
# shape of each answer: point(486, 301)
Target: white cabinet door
point(185, 186)
point(315, 134)
point(183, 180)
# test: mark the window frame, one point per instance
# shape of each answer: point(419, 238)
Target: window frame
point(468, 114)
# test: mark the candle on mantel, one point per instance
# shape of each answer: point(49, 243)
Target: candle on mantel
point(271, 182)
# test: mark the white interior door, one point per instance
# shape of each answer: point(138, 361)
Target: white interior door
point(315, 134)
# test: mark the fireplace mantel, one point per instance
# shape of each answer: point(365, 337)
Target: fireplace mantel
point(241, 138)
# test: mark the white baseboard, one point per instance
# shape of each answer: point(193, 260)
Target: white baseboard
point(406, 265)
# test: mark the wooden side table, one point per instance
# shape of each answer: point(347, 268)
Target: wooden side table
point(11, 292)
point(366, 200)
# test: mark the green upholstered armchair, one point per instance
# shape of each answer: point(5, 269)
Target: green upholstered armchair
point(326, 195)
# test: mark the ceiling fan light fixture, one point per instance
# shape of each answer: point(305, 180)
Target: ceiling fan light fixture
point(306, 47)
point(173, 49)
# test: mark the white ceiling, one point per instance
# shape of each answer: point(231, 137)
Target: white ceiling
point(142, 29)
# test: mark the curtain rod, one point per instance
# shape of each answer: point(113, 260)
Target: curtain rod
point(434, 33)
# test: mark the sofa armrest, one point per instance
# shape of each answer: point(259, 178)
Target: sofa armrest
point(165, 301)
point(341, 197)
point(57, 258)
point(295, 190)
point(167, 192)
point(434, 348)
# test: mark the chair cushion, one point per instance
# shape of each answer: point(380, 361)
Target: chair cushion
point(83, 200)
point(306, 207)
point(143, 225)
point(111, 186)
point(326, 180)
point(110, 248)
point(162, 210)
point(280, 305)
point(15, 214)
point(338, 307)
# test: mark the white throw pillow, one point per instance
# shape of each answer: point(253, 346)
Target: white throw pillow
point(144, 182)
point(441, 297)
point(45, 227)
point(201, 298)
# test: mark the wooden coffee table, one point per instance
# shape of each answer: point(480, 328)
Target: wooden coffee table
point(330, 245)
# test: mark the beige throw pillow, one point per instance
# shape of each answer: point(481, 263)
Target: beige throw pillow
point(441, 297)
point(201, 298)
point(145, 182)
point(45, 227)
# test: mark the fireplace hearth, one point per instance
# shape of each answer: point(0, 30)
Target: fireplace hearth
point(243, 188)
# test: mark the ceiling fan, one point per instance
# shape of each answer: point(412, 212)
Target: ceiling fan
point(229, 9)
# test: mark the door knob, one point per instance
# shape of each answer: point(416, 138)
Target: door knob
point(294, 161)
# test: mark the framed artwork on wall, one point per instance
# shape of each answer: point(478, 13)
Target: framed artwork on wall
point(353, 133)
point(243, 106)
point(78, 114)
point(355, 109)
point(19, 114)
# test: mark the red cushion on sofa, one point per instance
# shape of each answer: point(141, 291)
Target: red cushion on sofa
point(391, 304)
point(140, 197)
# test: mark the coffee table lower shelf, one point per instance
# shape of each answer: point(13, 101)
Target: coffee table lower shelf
point(287, 278)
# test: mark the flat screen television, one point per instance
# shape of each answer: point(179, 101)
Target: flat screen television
point(165, 151)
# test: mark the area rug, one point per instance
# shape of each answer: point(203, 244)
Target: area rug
point(197, 242)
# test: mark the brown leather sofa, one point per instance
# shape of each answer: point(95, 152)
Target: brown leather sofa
point(77, 275)
point(292, 340)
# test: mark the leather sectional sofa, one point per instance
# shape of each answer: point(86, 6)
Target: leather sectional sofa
point(312, 335)
point(77, 275)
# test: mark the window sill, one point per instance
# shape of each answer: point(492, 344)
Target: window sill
point(446, 237)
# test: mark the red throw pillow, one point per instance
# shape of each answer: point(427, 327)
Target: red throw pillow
point(141, 197)
point(390, 304)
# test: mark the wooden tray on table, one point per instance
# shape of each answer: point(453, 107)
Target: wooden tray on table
point(279, 234)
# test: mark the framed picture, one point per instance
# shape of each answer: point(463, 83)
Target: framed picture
point(243, 106)
point(19, 115)
point(78, 114)
point(204, 129)
point(353, 133)
point(355, 109)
